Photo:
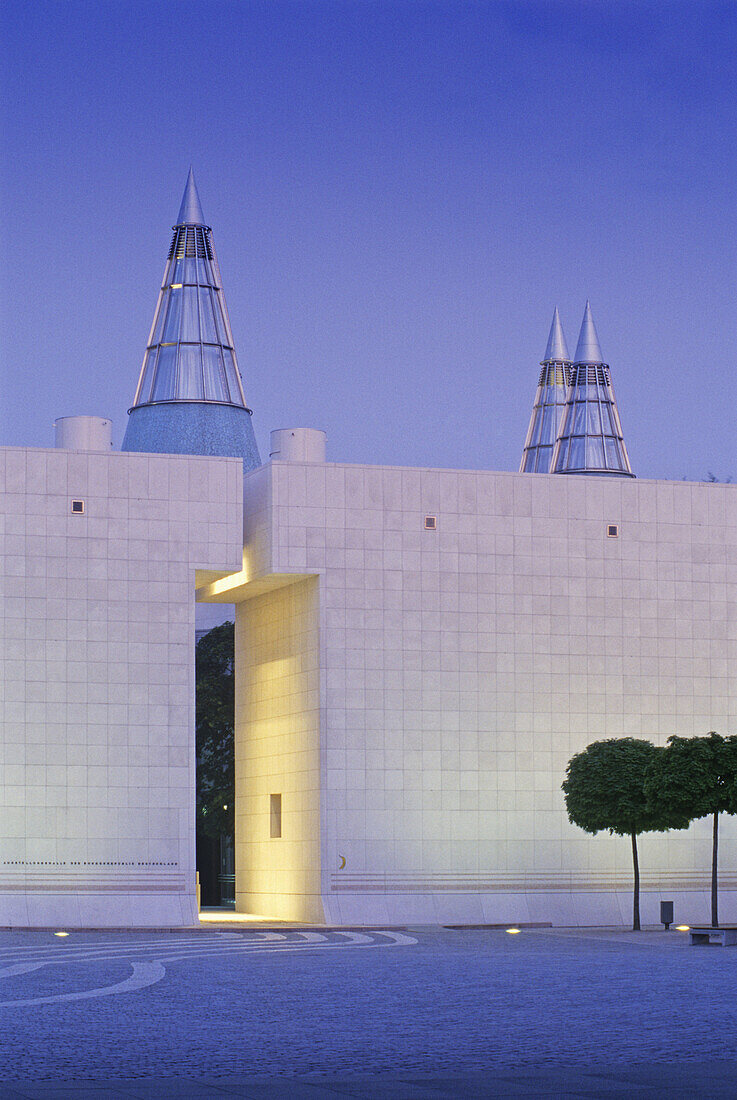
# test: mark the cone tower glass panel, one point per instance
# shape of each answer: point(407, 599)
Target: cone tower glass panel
point(190, 396)
point(590, 440)
point(550, 402)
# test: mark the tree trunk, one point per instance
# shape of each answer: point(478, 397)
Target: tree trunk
point(636, 895)
point(714, 862)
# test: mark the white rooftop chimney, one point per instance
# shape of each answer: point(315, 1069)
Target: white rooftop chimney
point(83, 433)
point(298, 445)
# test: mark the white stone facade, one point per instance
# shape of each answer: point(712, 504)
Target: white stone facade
point(97, 679)
point(414, 695)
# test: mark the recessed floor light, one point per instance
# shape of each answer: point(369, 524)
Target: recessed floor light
point(513, 931)
point(61, 933)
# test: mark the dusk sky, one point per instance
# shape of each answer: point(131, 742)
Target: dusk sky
point(400, 194)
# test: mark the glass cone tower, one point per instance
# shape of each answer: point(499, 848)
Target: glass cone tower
point(190, 396)
point(590, 439)
point(550, 403)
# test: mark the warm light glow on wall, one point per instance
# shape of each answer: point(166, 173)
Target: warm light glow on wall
point(280, 668)
point(226, 916)
point(225, 584)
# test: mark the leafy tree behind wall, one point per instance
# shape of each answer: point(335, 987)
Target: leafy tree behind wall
point(214, 724)
point(605, 789)
point(697, 776)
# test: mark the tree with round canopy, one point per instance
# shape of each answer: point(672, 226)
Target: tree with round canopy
point(697, 777)
point(604, 788)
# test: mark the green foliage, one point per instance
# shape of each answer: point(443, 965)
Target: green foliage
point(214, 731)
point(732, 788)
point(605, 789)
point(696, 776)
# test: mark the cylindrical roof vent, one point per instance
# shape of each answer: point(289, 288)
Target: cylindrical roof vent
point(83, 433)
point(298, 445)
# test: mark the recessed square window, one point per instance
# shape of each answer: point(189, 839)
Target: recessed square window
point(612, 531)
point(431, 523)
point(78, 507)
point(275, 810)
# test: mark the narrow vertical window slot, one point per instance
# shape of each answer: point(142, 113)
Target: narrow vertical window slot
point(275, 815)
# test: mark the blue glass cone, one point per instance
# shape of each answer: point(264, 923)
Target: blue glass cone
point(590, 439)
point(189, 398)
point(550, 402)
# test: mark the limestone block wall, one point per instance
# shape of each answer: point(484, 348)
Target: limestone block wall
point(462, 666)
point(277, 853)
point(97, 679)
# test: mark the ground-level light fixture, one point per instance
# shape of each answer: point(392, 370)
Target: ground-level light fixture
point(61, 933)
point(513, 931)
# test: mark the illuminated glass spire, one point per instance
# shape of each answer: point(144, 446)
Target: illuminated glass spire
point(190, 396)
point(590, 439)
point(550, 401)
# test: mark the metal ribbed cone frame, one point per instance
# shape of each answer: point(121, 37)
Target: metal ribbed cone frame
point(190, 354)
point(550, 403)
point(590, 439)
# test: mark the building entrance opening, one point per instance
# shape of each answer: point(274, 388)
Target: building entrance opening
point(215, 787)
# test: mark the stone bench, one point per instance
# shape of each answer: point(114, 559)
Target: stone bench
point(726, 936)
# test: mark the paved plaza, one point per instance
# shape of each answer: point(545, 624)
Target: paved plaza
point(411, 1012)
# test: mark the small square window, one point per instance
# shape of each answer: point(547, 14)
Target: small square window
point(275, 808)
point(431, 523)
point(612, 531)
point(78, 507)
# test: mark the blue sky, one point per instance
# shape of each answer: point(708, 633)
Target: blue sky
point(400, 193)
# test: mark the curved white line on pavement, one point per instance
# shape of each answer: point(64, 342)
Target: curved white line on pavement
point(68, 952)
point(67, 948)
point(268, 943)
point(350, 937)
point(107, 951)
point(398, 939)
point(219, 941)
point(252, 941)
point(354, 939)
point(21, 968)
point(144, 974)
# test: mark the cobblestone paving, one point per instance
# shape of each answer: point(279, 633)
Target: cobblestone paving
point(418, 1012)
